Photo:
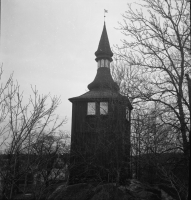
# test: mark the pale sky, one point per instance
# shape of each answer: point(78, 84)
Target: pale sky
point(51, 44)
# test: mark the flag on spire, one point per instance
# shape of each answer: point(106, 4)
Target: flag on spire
point(105, 11)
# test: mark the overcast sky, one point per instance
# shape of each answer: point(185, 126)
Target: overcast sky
point(51, 44)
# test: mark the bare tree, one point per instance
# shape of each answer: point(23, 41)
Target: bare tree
point(49, 161)
point(20, 123)
point(4, 88)
point(150, 68)
point(157, 47)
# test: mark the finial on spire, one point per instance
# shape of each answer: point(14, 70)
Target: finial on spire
point(105, 11)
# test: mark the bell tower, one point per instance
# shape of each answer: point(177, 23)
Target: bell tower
point(101, 118)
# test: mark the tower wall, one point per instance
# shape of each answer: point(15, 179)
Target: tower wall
point(99, 144)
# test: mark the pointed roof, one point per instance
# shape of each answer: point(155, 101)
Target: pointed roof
point(104, 50)
point(102, 80)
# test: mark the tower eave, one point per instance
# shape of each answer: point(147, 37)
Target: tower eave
point(104, 57)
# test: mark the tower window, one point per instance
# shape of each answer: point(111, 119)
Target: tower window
point(91, 108)
point(103, 108)
point(103, 63)
point(99, 63)
point(107, 62)
point(127, 113)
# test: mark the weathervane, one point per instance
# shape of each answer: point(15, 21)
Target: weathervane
point(105, 11)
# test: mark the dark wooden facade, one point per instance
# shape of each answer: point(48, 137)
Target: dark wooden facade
point(100, 143)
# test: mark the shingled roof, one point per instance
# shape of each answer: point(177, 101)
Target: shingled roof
point(102, 94)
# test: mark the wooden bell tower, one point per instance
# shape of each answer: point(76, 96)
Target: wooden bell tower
point(100, 139)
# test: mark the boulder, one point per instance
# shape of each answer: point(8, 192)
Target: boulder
point(110, 192)
point(72, 192)
point(134, 190)
point(85, 191)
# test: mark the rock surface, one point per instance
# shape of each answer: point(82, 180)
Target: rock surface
point(108, 191)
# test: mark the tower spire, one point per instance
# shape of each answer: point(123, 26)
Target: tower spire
point(103, 79)
point(104, 50)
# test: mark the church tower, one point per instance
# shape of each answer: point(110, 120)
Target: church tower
point(100, 135)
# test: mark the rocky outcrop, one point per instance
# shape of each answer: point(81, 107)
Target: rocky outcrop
point(134, 190)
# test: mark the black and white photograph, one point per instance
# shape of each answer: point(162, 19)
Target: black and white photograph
point(95, 99)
